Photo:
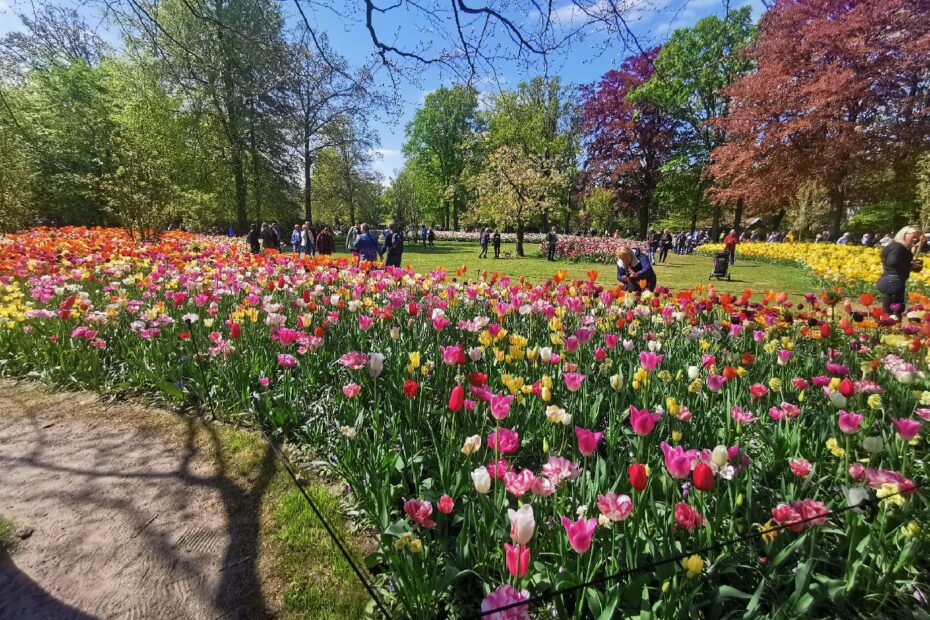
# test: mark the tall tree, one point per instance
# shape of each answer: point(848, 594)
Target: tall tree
point(514, 187)
point(538, 122)
point(626, 143)
point(841, 90)
point(691, 74)
point(437, 135)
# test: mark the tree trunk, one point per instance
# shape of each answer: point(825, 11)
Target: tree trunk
point(694, 214)
point(256, 172)
point(644, 219)
point(715, 227)
point(837, 210)
point(242, 217)
point(455, 210)
point(738, 217)
point(520, 238)
point(308, 165)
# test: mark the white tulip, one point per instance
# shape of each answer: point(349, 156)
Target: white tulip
point(482, 480)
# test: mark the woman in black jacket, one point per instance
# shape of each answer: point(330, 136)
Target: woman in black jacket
point(897, 264)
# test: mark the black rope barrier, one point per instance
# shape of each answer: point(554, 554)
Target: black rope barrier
point(651, 564)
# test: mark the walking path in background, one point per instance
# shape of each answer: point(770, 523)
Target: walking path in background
point(134, 512)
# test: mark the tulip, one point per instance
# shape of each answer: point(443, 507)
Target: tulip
point(445, 504)
point(616, 381)
point(800, 467)
point(573, 381)
point(715, 382)
point(847, 388)
point(502, 597)
point(518, 559)
point(693, 372)
point(703, 477)
point(688, 517)
point(375, 365)
point(587, 440)
point(504, 441)
point(457, 399)
point(579, 533)
point(849, 423)
point(522, 524)
point(351, 390)
point(643, 422)
point(419, 511)
point(649, 360)
point(615, 507)
point(638, 476)
point(471, 445)
point(481, 479)
point(677, 460)
point(907, 428)
point(410, 388)
point(500, 406)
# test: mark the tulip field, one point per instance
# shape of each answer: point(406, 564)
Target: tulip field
point(504, 441)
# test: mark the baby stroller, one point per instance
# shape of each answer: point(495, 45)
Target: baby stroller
point(721, 266)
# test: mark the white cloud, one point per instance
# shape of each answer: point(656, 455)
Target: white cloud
point(382, 152)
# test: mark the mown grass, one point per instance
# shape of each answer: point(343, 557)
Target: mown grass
point(7, 536)
point(678, 273)
point(322, 584)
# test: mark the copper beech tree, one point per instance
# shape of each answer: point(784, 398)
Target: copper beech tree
point(840, 94)
point(627, 143)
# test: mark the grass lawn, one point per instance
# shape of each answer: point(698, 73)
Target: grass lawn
point(679, 272)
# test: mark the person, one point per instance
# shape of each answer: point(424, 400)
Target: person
point(665, 244)
point(232, 230)
point(295, 239)
point(352, 235)
point(307, 242)
point(423, 234)
point(325, 244)
point(843, 240)
point(484, 239)
point(867, 240)
point(267, 236)
point(729, 242)
point(552, 239)
point(366, 245)
point(393, 249)
point(431, 236)
point(253, 238)
point(496, 242)
point(633, 266)
point(276, 232)
point(897, 264)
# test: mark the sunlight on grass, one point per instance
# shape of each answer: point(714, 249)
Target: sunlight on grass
point(678, 273)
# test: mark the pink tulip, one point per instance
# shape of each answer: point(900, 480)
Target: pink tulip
point(579, 533)
point(500, 406)
point(615, 507)
point(587, 440)
point(643, 422)
point(518, 559)
point(419, 511)
point(850, 422)
point(365, 322)
point(678, 460)
point(715, 382)
point(688, 517)
point(503, 596)
point(558, 469)
point(800, 467)
point(286, 360)
point(452, 355)
point(445, 504)
point(571, 344)
point(519, 484)
point(611, 340)
point(351, 390)
point(907, 428)
point(573, 381)
point(649, 360)
point(504, 441)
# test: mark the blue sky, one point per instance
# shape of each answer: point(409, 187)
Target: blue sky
point(651, 21)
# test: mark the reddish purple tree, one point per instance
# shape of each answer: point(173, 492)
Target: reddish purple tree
point(839, 95)
point(626, 143)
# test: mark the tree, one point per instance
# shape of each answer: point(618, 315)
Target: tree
point(679, 196)
point(627, 143)
point(810, 209)
point(689, 80)
point(540, 121)
point(923, 189)
point(840, 92)
point(437, 136)
point(514, 187)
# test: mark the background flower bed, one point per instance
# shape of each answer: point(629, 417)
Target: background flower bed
point(616, 429)
point(852, 267)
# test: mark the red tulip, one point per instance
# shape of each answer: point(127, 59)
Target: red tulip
point(703, 477)
point(638, 477)
point(847, 388)
point(410, 388)
point(457, 399)
point(235, 331)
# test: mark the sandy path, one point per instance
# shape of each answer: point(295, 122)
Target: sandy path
point(134, 514)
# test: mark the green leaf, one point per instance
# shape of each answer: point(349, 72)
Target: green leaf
point(724, 592)
point(171, 390)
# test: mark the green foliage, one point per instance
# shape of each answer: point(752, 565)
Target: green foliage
point(880, 217)
point(679, 196)
point(321, 583)
point(923, 189)
point(599, 210)
point(7, 536)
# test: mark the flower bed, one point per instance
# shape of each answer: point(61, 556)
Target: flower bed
point(473, 237)
point(853, 267)
point(589, 249)
point(510, 440)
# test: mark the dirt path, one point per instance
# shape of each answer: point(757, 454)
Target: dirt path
point(136, 513)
